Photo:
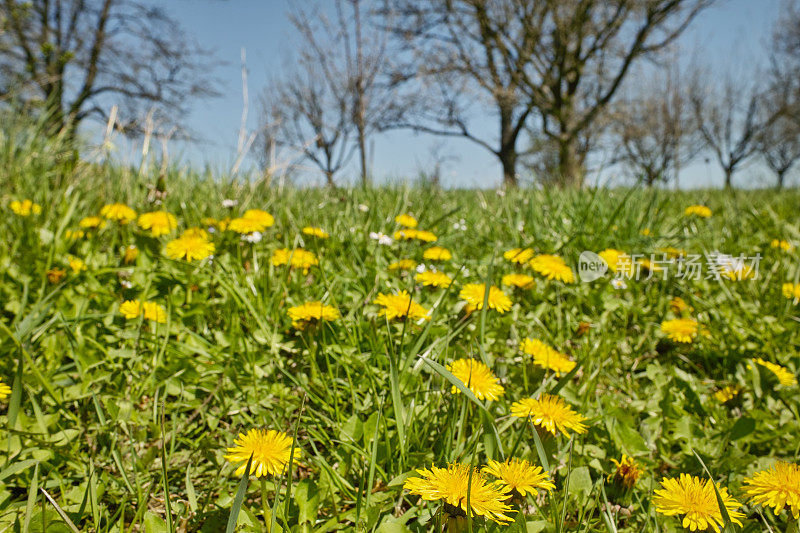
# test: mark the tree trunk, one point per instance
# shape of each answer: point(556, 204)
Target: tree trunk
point(362, 155)
point(570, 166)
point(508, 145)
point(781, 177)
point(728, 177)
point(329, 179)
point(508, 158)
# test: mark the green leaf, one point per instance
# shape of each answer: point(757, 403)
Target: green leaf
point(239, 498)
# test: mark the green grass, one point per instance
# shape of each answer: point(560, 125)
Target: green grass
point(124, 424)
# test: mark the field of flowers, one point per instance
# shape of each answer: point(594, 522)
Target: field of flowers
point(342, 349)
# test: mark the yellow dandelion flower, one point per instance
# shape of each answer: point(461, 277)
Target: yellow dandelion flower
point(519, 256)
point(409, 234)
point(791, 291)
point(309, 312)
point(456, 484)
point(5, 390)
point(727, 393)
point(74, 234)
point(695, 498)
point(519, 476)
point(92, 223)
point(776, 487)
point(55, 275)
point(785, 377)
point(786, 246)
point(403, 264)
point(627, 472)
point(680, 329)
point(158, 222)
point(76, 264)
point(618, 261)
point(406, 220)
point(196, 232)
point(245, 225)
point(551, 413)
point(270, 451)
point(189, 248)
point(673, 252)
point(437, 253)
point(400, 305)
point(697, 210)
point(547, 357)
point(129, 254)
point(646, 232)
point(552, 267)
point(262, 217)
point(131, 309)
point(433, 278)
point(297, 258)
point(521, 281)
point(119, 212)
point(319, 233)
point(475, 293)
point(477, 377)
point(25, 208)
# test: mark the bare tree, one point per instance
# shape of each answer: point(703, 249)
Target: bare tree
point(75, 58)
point(558, 61)
point(652, 128)
point(779, 143)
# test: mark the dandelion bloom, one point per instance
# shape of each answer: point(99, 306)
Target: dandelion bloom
point(195, 232)
point(522, 281)
point(119, 212)
point(785, 377)
point(627, 472)
point(403, 264)
point(270, 451)
point(406, 220)
point(776, 487)
point(547, 357)
point(551, 413)
point(519, 256)
point(76, 264)
point(262, 217)
point(308, 312)
point(646, 232)
point(552, 267)
point(74, 234)
point(158, 222)
point(474, 294)
point(727, 393)
point(618, 261)
point(791, 291)
point(697, 210)
point(409, 234)
point(245, 225)
point(695, 498)
point(92, 223)
point(129, 254)
point(433, 278)
point(456, 484)
point(189, 248)
point(5, 390)
point(152, 311)
point(786, 246)
point(519, 476)
point(437, 253)
point(680, 329)
point(55, 275)
point(316, 232)
point(477, 377)
point(24, 208)
point(298, 258)
point(400, 305)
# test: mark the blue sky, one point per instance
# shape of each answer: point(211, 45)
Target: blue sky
point(730, 35)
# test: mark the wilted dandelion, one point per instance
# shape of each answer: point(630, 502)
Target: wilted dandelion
point(270, 451)
point(55, 275)
point(455, 485)
point(437, 253)
point(551, 413)
point(25, 208)
point(406, 220)
point(312, 312)
point(475, 293)
point(119, 212)
point(477, 377)
point(697, 210)
point(552, 267)
point(785, 377)
point(433, 278)
point(158, 223)
point(521, 281)
point(695, 499)
point(190, 248)
point(519, 256)
point(129, 254)
point(627, 472)
point(680, 329)
point(678, 305)
point(519, 476)
point(298, 257)
point(776, 487)
point(400, 305)
point(131, 309)
point(547, 357)
point(316, 232)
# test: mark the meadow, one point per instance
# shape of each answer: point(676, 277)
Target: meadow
point(163, 331)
